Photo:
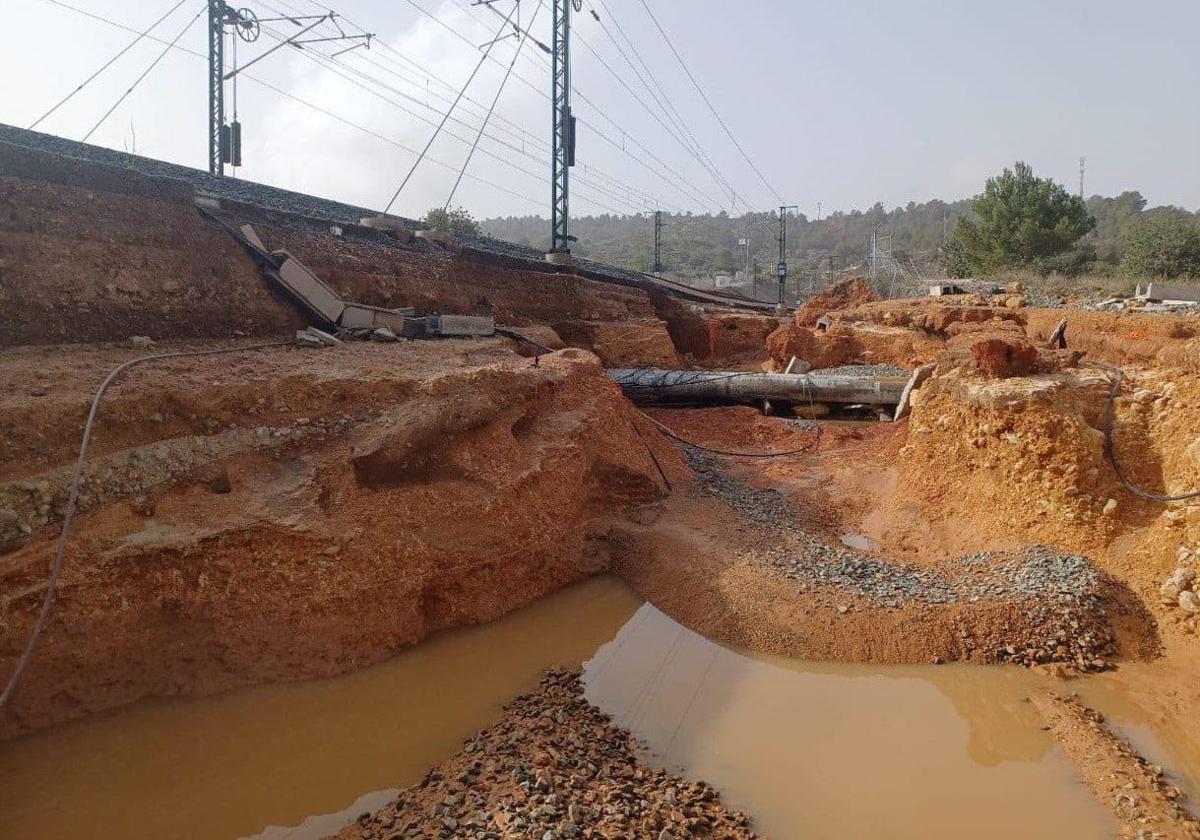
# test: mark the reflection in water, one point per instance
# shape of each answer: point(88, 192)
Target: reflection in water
point(230, 766)
point(845, 751)
point(809, 750)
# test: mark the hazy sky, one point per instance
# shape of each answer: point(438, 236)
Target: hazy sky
point(844, 103)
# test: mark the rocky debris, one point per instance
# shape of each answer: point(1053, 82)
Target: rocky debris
point(852, 292)
point(1145, 802)
point(1062, 616)
point(1178, 590)
point(865, 371)
point(553, 767)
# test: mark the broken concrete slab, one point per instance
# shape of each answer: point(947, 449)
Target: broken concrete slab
point(361, 316)
point(316, 297)
point(253, 238)
point(463, 325)
point(1171, 293)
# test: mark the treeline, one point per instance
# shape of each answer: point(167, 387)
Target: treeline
point(701, 245)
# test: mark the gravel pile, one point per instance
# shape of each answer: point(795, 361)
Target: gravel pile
point(553, 767)
point(864, 371)
point(1064, 618)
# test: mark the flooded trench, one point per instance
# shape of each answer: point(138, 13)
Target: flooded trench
point(809, 750)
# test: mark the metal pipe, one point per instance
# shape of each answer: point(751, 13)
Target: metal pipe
point(651, 385)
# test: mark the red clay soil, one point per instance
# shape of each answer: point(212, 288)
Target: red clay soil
point(292, 514)
point(848, 293)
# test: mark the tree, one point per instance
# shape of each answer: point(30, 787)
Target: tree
point(457, 220)
point(1163, 243)
point(1019, 221)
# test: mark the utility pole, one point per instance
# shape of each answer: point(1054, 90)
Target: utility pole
point(562, 132)
point(782, 267)
point(875, 250)
point(658, 226)
point(1082, 163)
point(225, 141)
point(818, 211)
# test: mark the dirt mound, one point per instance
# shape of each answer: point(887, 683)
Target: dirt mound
point(997, 354)
point(848, 293)
point(305, 513)
point(553, 766)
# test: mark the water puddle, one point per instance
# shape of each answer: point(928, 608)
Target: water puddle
point(809, 750)
point(254, 761)
point(818, 751)
point(858, 542)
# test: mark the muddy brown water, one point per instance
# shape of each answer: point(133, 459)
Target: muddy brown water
point(810, 751)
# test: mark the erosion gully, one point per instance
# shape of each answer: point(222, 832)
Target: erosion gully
point(809, 750)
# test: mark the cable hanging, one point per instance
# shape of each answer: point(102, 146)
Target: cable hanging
point(145, 73)
point(487, 52)
point(107, 64)
point(492, 108)
point(708, 102)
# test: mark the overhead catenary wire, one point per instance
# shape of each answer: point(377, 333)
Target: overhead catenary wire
point(137, 40)
point(671, 131)
point(658, 161)
point(56, 566)
point(311, 105)
point(145, 73)
point(708, 102)
point(341, 69)
point(492, 107)
point(487, 52)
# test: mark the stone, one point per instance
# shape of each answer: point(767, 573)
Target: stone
point(12, 531)
point(1110, 507)
point(141, 341)
point(1189, 602)
point(1169, 594)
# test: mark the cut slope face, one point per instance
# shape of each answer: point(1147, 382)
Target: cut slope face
point(296, 538)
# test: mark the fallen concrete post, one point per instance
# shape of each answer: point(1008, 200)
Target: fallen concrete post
point(650, 385)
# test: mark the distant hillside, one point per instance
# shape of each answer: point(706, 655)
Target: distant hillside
point(704, 245)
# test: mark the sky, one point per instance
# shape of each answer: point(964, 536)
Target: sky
point(835, 105)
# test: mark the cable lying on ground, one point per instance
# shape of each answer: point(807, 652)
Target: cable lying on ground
point(73, 499)
point(1110, 448)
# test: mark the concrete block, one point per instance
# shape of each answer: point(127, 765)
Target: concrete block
point(388, 225)
point(324, 337)
point(252, 237)
point(464, 325)
point(1169, 292)
point(943, 289)
point(318, 298)
point(361, 316)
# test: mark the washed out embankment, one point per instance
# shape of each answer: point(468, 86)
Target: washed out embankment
point(241, 532)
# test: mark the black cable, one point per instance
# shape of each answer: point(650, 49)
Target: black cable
point(107, 64)
point(145, 73)
point(1110, 448)
point(666, 431)
point(56, 566)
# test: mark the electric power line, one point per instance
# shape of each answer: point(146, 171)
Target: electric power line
point(145, 73)
point(107, 64)
point(499, 91)
point(707, 101)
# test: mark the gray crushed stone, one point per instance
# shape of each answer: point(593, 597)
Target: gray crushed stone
point(863, 371)
point(1059, 591)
